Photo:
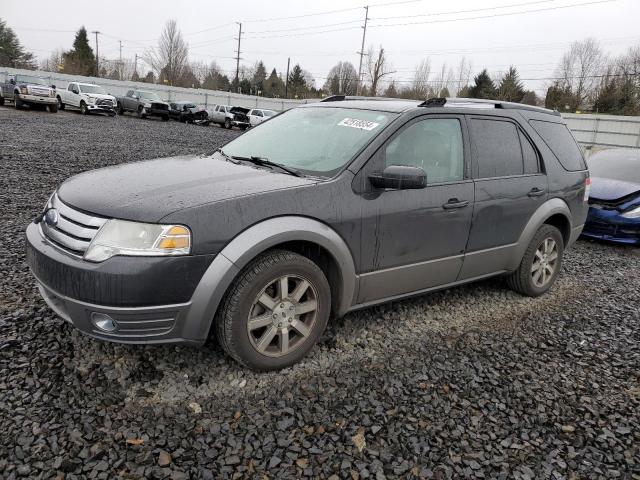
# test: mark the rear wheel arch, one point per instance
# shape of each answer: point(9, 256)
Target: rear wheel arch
point(302, 235)
point(554, 211)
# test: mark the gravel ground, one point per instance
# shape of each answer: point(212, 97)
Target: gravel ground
point(474, 382)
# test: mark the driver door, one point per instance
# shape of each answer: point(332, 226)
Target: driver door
point(413, 240)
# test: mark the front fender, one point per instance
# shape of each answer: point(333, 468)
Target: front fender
point(249, 244)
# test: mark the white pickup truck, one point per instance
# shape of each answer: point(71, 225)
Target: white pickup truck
point(87, 97)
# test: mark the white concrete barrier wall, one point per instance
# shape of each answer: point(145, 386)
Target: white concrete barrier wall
point(604, 131)
point(197, 95)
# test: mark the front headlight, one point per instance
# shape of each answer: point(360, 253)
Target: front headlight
point(24, 91)
point(635, 213)
point(147, 105)
point(91, 100)
point(121, 237)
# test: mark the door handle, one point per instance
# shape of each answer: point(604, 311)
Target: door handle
point(536, 192)
point(454, 203)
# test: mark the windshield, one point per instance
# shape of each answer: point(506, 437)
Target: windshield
point(189, 105)
point(92, 89)
point(268, 113)
point(149, 96)
point(30, 80)
point(315, 140)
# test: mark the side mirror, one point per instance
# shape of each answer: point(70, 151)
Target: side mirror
point(12, 81)
point(185, 108)
point(136, 97)
point(399, 177)
point(53, 86)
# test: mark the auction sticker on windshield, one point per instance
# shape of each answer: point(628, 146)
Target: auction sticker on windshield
point(355, 123)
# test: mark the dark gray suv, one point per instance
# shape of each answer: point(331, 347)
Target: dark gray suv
point(326, 208)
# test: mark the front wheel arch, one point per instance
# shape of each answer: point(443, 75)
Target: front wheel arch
point(299, 234)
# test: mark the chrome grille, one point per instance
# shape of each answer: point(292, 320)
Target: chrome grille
point(74, 230)
point(159, 106)
point(43, 92)
point(105, 102)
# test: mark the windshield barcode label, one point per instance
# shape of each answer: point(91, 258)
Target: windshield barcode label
point(355, 123)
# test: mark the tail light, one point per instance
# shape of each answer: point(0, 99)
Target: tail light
point(587, 189)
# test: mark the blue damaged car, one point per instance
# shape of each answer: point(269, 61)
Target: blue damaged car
point(614, 199)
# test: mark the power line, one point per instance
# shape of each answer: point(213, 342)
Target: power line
point(507, 14)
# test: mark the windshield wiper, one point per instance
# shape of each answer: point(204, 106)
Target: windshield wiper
point(227, 157)
point(265, 162)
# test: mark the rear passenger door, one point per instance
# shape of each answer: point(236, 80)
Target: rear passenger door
point(510, 185)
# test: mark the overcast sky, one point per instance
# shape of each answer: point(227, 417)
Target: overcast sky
point(443, 31)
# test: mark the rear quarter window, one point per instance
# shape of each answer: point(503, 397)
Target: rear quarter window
point(559, 139)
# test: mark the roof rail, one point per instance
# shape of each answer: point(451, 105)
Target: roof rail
point(341, 98)
point(483, 104)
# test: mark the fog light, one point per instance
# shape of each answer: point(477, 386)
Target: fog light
point(103, 322)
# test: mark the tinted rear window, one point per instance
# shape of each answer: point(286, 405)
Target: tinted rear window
point(496, 148)
point(561, 142)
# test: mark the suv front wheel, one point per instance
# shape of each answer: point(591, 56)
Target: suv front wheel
point(540, 264)
point(275, 311)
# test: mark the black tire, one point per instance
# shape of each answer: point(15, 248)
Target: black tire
point(165, 118)
point(53, 108)
point(60, 104)
point(231, 322)
point(120, 109)
point(141, 113)
point(1, 101)
point(17, 103)
point(522, 280)
point(227, 124)
point(83, 108)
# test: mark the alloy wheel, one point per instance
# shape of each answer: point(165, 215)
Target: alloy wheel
point(545, 262)
point(282, 315)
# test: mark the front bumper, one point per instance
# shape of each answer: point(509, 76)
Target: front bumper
point(101, 108)
point(156, 112)
point(609, 225)
point(149, 298)
point(37, 99)
point(240, 124)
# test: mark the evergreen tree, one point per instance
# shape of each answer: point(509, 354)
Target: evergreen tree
point(444, 93)
point(483, 87)
point(559, 98)
point(259, 77)
point(12, 54)
point(274, 86)
point(530, 98)
point(80, 60)
point(297, 83)
point(511, 89)
point(391, 91)
point(607, 100)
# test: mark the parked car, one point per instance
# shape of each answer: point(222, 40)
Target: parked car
point(88, 97)
point(28, 90)
point(144, 104)
point(188, 112)
point(258, 115)
point(228, 117)
point(324, 209)
point(614, 199)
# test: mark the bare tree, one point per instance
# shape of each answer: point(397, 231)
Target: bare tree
point(579, 69)
point(462, 76)
point(442, 83)
point(377, 68)
point(171, 56)
point(420, 86)
point(342, 79)
point(54, 63)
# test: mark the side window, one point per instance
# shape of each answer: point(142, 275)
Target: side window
point(70, 87)
point(496, 148)
point(561, 142)
point(258, 113)
point(529, 155)
point(434, 145)
point(130, 93)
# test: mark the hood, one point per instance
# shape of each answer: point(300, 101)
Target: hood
point(610, 189)
point(102, 96)
point(150, 190)
point(239, 110)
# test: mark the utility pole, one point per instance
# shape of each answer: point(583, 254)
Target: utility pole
point(286, 80)
point(238, 56)
point(97, 53)
point(361, 52)
point(121, 65)
point(135, 67)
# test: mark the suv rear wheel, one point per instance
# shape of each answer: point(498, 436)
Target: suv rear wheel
point(540, 264)
point(274, 312)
